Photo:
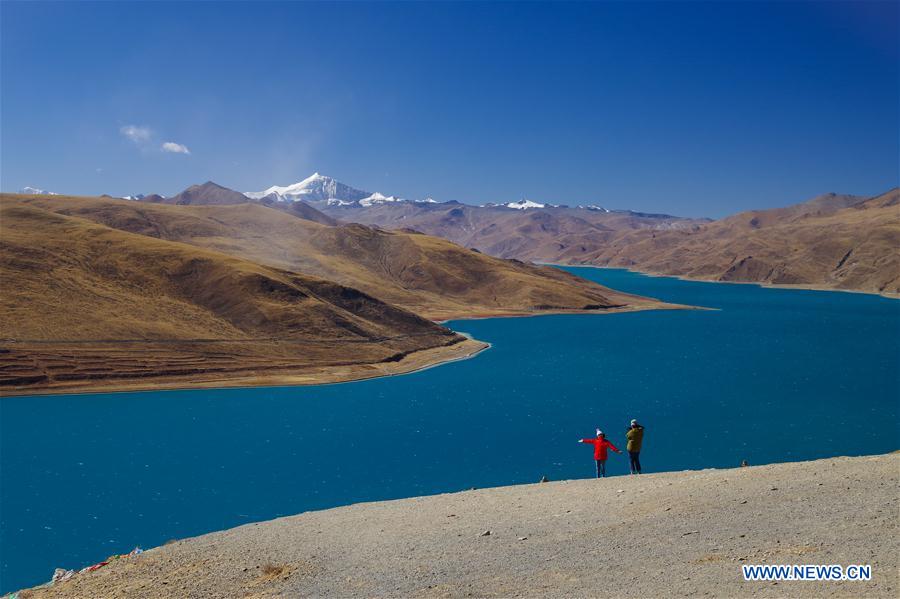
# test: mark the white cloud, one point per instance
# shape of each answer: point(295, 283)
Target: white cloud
point(143, 137)
point(171, 146)
point(135, 133)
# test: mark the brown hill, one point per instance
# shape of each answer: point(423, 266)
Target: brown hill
point(823, 205)
point(300, 210)
point(839, 242)
point(85, 304)
point(205, 194)
point(425, 274)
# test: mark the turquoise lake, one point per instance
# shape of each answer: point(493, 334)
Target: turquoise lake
point(772, 375)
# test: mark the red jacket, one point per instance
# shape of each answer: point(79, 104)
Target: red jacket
point(600, 446)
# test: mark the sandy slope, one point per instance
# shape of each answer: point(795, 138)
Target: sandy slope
point(662, 535)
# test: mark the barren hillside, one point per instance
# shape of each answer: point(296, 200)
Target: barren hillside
point(675, 534)
point(425, 274)
point(837, 242)
point(87, 305)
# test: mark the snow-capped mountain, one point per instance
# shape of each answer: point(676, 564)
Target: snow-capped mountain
point(593, 207)
point(337, 202)
point(316, 188)
point(325, 192)
point(526, 204)
point(321, 190)
point(378, 198)
point(138, 196)
point(36, 191)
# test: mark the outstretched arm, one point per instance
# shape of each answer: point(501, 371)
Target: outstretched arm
point(613, 447)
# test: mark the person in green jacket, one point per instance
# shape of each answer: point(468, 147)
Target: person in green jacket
point(635, 436)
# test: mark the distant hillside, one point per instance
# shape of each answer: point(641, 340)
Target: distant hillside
point(300, 210)
point(425, 274)
point(86, 304)
point(835, 241)
point(841, 242)
point(213, 194)
point(531, 234)
point(523, 229)
point(205, 194)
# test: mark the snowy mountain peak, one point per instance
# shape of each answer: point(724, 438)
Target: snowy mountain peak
point(379, 198)
point(526, 204)
point(312, 180)
point(593, 207)
point(314, 188)
point(36, 191)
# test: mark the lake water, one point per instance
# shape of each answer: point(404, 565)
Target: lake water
point(773, 375)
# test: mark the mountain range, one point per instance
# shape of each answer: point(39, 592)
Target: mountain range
point(322, 191)
point(103, 293)
point(831, 241)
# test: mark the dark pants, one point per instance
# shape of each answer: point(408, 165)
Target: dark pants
point(601, 468)
point(635, 458)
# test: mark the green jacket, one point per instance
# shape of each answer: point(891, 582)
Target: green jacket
point(635, 437)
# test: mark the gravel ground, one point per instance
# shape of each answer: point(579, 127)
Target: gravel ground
point(656, 535)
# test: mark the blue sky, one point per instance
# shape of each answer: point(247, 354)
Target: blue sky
point(696, 109)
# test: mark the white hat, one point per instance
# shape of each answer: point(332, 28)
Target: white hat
point(599, 432)
point(633, 421)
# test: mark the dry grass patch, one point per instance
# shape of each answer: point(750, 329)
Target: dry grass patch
point(272, 570)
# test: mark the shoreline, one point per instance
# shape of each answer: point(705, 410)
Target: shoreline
point(314, 376)
point(800, 286)
point(412, 363)
point(658, 305)
point(562, 538)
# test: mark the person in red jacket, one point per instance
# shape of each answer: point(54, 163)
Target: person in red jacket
point(600, 445)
